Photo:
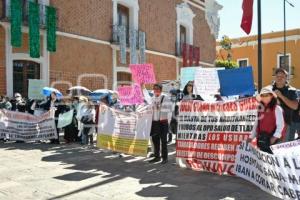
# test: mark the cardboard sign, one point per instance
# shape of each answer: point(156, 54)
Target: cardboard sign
point(130, 95)
point(143, 73)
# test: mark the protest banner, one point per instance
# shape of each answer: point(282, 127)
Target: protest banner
point(292, 147)
point(208, 133)
point(187, 74)
point(206, 82)
point(131, 95)
point(143, 73)
point(275, 174)
point(237, 81)
point(65, 119)
point(35, 88)
point(124, 132)
point(26, 127)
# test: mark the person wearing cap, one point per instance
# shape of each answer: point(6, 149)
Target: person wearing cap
point(269, 126)
point(287, 97)
point(161, 106)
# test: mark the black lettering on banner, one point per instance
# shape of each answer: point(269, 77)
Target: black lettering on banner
point(286, 163)
point(293, 179)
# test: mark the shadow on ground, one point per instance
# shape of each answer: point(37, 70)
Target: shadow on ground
point(156, 180)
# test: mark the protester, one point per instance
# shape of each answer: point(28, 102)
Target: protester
point(175, 112)
point(86, 116)
point(53, 103)
point(188, 92)
point(161, 106)
point(5, 103)
point(71, 131)
point(295, 128)
point(18, 103)
point(270, 126)
point(288, 100)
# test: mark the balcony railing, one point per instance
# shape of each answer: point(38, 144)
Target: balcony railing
point(179, 48)
point(116, 30)
point(5, 12)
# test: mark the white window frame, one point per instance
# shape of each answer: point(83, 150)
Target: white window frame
point(242, 59)
point(185, 16)
point(290, 61)
point(133, 6)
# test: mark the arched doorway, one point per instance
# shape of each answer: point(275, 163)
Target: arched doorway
point(23, 70)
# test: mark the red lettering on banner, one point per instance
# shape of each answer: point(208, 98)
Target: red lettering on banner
point(214, 167)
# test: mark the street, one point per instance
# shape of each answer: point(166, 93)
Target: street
point(44, 171)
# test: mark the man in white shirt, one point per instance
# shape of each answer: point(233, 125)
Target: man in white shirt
point(162, 111)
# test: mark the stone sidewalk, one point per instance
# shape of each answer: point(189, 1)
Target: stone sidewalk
point(44, 171)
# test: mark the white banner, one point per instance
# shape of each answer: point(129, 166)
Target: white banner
point(26, 127)
point(276, 174)
point(292, 147)
point(125, 132)
point(65, 119)
point(208, 133)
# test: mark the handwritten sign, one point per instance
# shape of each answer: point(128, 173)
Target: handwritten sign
point(143, 73)
point(130, 95)
point(35, 87)
point(206, 81)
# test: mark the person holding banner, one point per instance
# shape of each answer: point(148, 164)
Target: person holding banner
point(287, 97)
point(53, 103)
point(161, 106)
point(188, 92)
point(269, 126)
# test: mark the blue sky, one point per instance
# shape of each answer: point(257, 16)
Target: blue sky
point(272, 17)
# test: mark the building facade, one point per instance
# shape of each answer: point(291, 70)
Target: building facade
point(244, 52)
point(88, 52)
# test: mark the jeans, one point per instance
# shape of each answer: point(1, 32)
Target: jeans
point(291, 131)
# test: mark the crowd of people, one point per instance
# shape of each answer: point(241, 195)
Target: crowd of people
point(278, 114)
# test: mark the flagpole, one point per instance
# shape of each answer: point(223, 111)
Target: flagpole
point(259, 52)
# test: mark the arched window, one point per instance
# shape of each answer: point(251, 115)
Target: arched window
point(23, 70)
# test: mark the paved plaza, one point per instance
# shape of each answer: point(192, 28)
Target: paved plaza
point(44, 171)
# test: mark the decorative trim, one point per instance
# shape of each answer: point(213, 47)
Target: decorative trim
point(242, 59)
point(290, 61)
point(196, 5)
point(266, 41)
point(212, 16)
point(79, 37)
point(185, 16)
point(133, 6)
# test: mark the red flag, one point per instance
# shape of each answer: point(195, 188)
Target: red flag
point(246, 23)
point(197, 55)
point(184, 54)
point(191, 55)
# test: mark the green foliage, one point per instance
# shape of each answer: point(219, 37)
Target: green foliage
point(226, 63)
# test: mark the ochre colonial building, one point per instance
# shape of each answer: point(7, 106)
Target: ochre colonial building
point(244, 52)
point(88, 52)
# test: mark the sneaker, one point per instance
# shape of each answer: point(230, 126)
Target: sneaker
point(151, 155)
point(154, 160)
point(164, 162)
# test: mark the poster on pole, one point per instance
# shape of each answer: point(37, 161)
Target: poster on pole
point(208, 133)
